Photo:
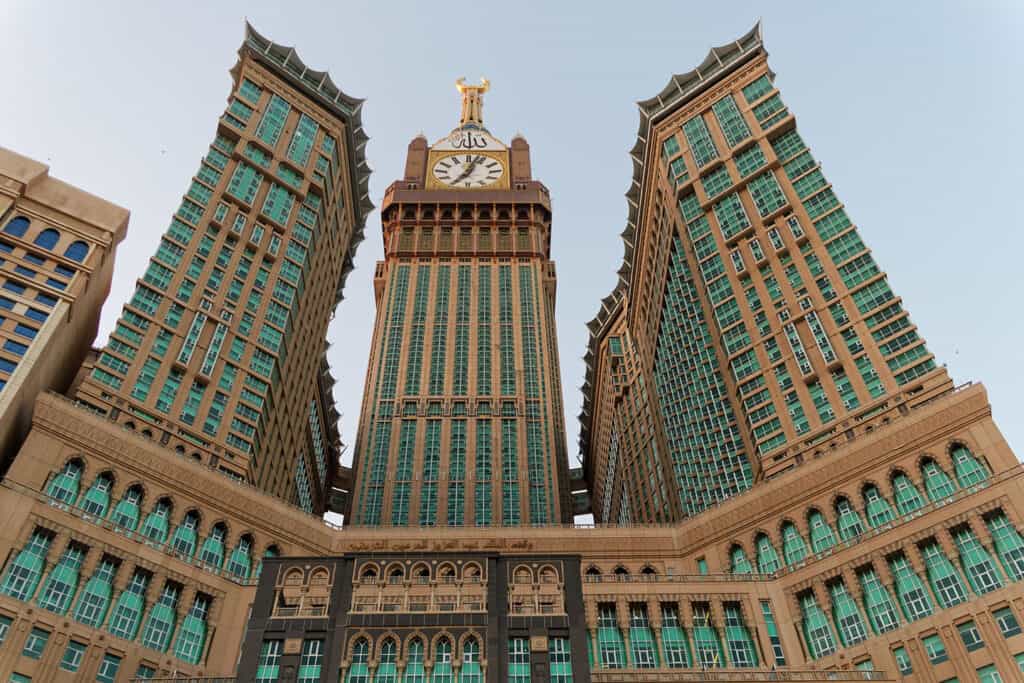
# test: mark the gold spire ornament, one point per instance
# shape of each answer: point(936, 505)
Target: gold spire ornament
point(472, 101)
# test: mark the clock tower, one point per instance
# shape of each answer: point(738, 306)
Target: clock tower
point(462, 421)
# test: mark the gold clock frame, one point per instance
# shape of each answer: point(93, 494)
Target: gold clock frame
point(502, 183)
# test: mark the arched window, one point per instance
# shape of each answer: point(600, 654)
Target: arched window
point(17, 227)
point(442, 662)
point(621, 571)
point(414, 662)
point(369, 574)
point(738, 562)
point(908, 498)
point(422, 573)
point(937, 483)
point(822, 537)
point(64, 485)
point(158, 521)
point(850, 525)
point(968, 470)
point(186, 534)
point(470, 671)
point(593, 571)
point(97, 498)
point(77, 251)
point(358, 671)
point(240, 563)
point(793, 547)
point(767, 558)
point(878, 509)
point(212, 552)
point(387, 671)
point(47, 239)
point(126, 512)
point(848, 620)
point(523, 575)
point(395, 575)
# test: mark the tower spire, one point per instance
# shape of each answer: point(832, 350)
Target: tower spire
point(472, 102)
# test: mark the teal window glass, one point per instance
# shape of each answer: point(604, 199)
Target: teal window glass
point(268, 666)
point(278, 204)
point(970, 636)
point(849, 522)
point(126, 512)
point(60, 586)
point(793, 547)
point(644, 654)
point(701, 145)
point(913, 597)
point(903, 663)
point(731, 216)
point(1007, 622)
point(35, 644)
point(94, 601)
point(757, 89)
point(773, 633)
point(107, 672)
point(442, 672)
point(942, 575)
point(560, 661)
point(877, 602)
point(934, 649)
point(734, 128)
point(767, 195)
point(23, 574)
point(127, 614)
point(738, 562)
point(156, 635)
point(822, 537)
point(240, 562)
point(64, 485)
point(1008, 543)
point(302, 140)
point(358, 671)
point(73, 655)
point(739, 644)
point(518, 660)
point(414, 670)
point(311, 661)
point(767, 558)
point(387, 662)
point(212, 552)
point(273, 120)
point(707, 646)
point(908, 498)
point(186, 535)
point(145, 672)
point(967, 468)
point(610, 644)
point(817, 632)
point(192, 635)
point(878, 510)
point(157, 523)
point(5, 627)
point(976, 562)
point(244, 183)
point(848, 620)
point(675, 643)
point(97, 499)
point(988, 674)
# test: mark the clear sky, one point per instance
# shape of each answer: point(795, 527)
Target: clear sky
point(913, 108)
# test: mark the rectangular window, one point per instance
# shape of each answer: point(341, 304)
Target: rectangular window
point(934, 649)
point(970, 635)
point(734, 128)
point(1007, 622)
point(35, 643)
point(302, 140)
point(701, 145)
point(73, 655)
point(108, 669)
point(273, 120)
point(244, 183)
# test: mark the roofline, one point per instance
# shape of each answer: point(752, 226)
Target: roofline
point(680, 89)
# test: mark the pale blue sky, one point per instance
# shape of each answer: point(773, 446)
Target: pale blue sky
point(913, 108)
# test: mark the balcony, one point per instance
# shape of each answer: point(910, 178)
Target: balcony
point(730, 675)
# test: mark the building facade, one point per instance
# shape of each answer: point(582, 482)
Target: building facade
point(750, 323)
point(58, 243)
point(461, 418)
point(220, 352)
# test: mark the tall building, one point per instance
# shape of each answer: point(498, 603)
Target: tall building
point(58, 247)
point(220, 352)
point(750, 324)
point(461, 418)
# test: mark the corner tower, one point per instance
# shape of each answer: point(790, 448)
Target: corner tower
point(461, 419)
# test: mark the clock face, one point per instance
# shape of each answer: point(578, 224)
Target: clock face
point(468, 170)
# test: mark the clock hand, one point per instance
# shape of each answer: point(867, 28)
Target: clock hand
point(465, 173)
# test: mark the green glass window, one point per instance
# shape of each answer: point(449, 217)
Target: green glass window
point(23, 574)
point(849, 522)
point(903, 664)
point(738, 562)
point(879, 606)
point(35, 644)
point(162, 616)
point(766, 193)
point(97, 499)
point(74, 653)
point(822, 537)
point(610, 644)
point(414, 671)
point(185, 536)
point(716, 182)
point(817, 632)
point(64, 485)
point(976, 562)
point(847, 617)
point(675, 643)
point(61, 584)
point(701, 145)
point(268, 667)
point(278, 204)
point(793, 547)
point(240, 563)
point(934, 649)
point(157, 522)
point(707, 646)
point(734, 128)
point(559, 657)
point(1007, 622)
point(94, 600)
point(942, 575)
point(914, 599)
point(126, 512)
point(358, 671)
point(212, 552)
point(1008, 543)
point(644, 653)
point(989, 674)
point(244, 183)
point(767, 558)
point(127, 614)
point(749, 160)
point(878, 510)
point(739, 644)
point(773, 633)
point(731, 216)
point(442, 662)
point(192, 636)
point(518, 660)
point(387, 668)
point(757, 89)
point(107, 672)
point(970, 636)
point(908, 499)
point(145, 672)
point(302, 140)
point(273, 120)
point(968, 470)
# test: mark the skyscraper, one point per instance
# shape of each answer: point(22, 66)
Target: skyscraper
point(461, 418)
point(750, 323)
point(220, 352)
